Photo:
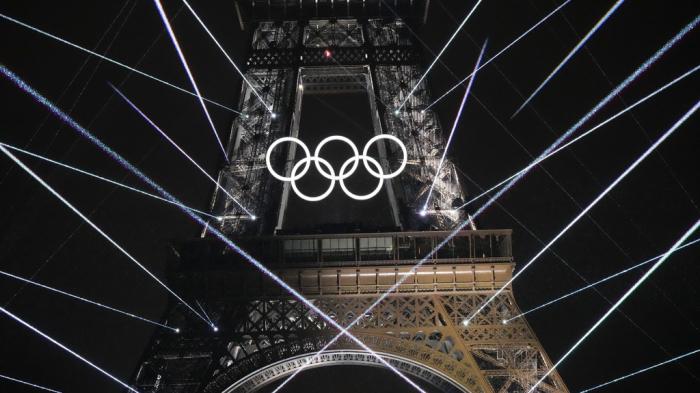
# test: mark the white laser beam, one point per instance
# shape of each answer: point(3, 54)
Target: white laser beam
point(591, 130)
point(675, 359)
point(620, 301)
point(492, 58)
point(181, 55)
point(102, 178)
point(95, 227)
point(28, 384)
point(576, 48)
point(65, 348)
point(233, 246)
point(115, 62)
point(82, 299)
point(430, 67)
point(172, 142)
point(585, 210)
point(454, 127)
point(591, 285)
point(233, 63)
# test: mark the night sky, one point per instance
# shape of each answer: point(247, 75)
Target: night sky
point(641, 218)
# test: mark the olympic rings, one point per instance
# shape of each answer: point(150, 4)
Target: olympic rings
point(329, 172)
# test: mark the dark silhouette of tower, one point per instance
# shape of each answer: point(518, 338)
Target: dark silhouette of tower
point(342, 67)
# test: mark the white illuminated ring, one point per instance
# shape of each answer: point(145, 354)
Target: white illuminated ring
point(356, 159)
point(316, 160)
point(393, 139)
point(269, 152)
point(344, 172)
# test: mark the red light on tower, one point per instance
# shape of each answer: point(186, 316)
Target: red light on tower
point(327, 53)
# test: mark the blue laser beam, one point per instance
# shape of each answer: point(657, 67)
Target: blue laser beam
point(181, 55)
point(591, 285)
point(585, 210)
point(675, 359)
point(115, 62)
point(65, 348)
point(28, 384)
point(576, 48)
point(82, 299)
point(591, 130)
point(172, 142)
point(621, 300)
point(95, 227)
point(233, 246)
point(454, 127)
point(102, 178)
point(487, 62)
point(430, 67)
point(233, 63)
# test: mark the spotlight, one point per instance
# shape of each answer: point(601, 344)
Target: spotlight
point(327, 54)
point(396, 112)
point(273, 115)
point(423, 213)
point(253, 218)
point(216, 329)
point(505, 321)
point(177, 330)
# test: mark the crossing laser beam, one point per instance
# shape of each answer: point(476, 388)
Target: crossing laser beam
point(585, 210)
point(229, 243)
point(430, 67)
point(95, 227)
point(65, 348)
point(28, 384)
point(172, 142)
point(82, 299)
point(675, 359)
point(233, 63)
point(114, 182)
point(515, 41)
point(591, 130)
point(591, 285)
point(454, 127)
point(115, 62)
point(621, 300)
point(181, 55)
point(578, 46)
point(399, 282)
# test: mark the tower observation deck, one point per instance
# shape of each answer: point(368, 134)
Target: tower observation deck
point(341, 68)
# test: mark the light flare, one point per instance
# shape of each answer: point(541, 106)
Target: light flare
point(28, 384)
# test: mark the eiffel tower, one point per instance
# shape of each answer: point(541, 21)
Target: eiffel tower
point(353, 62)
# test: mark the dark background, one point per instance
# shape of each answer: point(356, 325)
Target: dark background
point(641, 218)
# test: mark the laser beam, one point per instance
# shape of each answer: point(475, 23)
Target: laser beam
point(181, 55)
point(82, 299)
point(621, 300)
point(585, 210)
point(395, 287)
point(675, 359)
point(115, 62)
point(430, 67)
point(454, 127)
point(233, 246)
point(28, 384)
point(65, 348)
point(95, 227)
point(578, 46)
point(515, 41)
point(591, 285)
point(591, 130)
point(114, 182)
point(233, 63)
point(172, 142)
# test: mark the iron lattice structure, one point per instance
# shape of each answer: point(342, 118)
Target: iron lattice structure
point(264, 334)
